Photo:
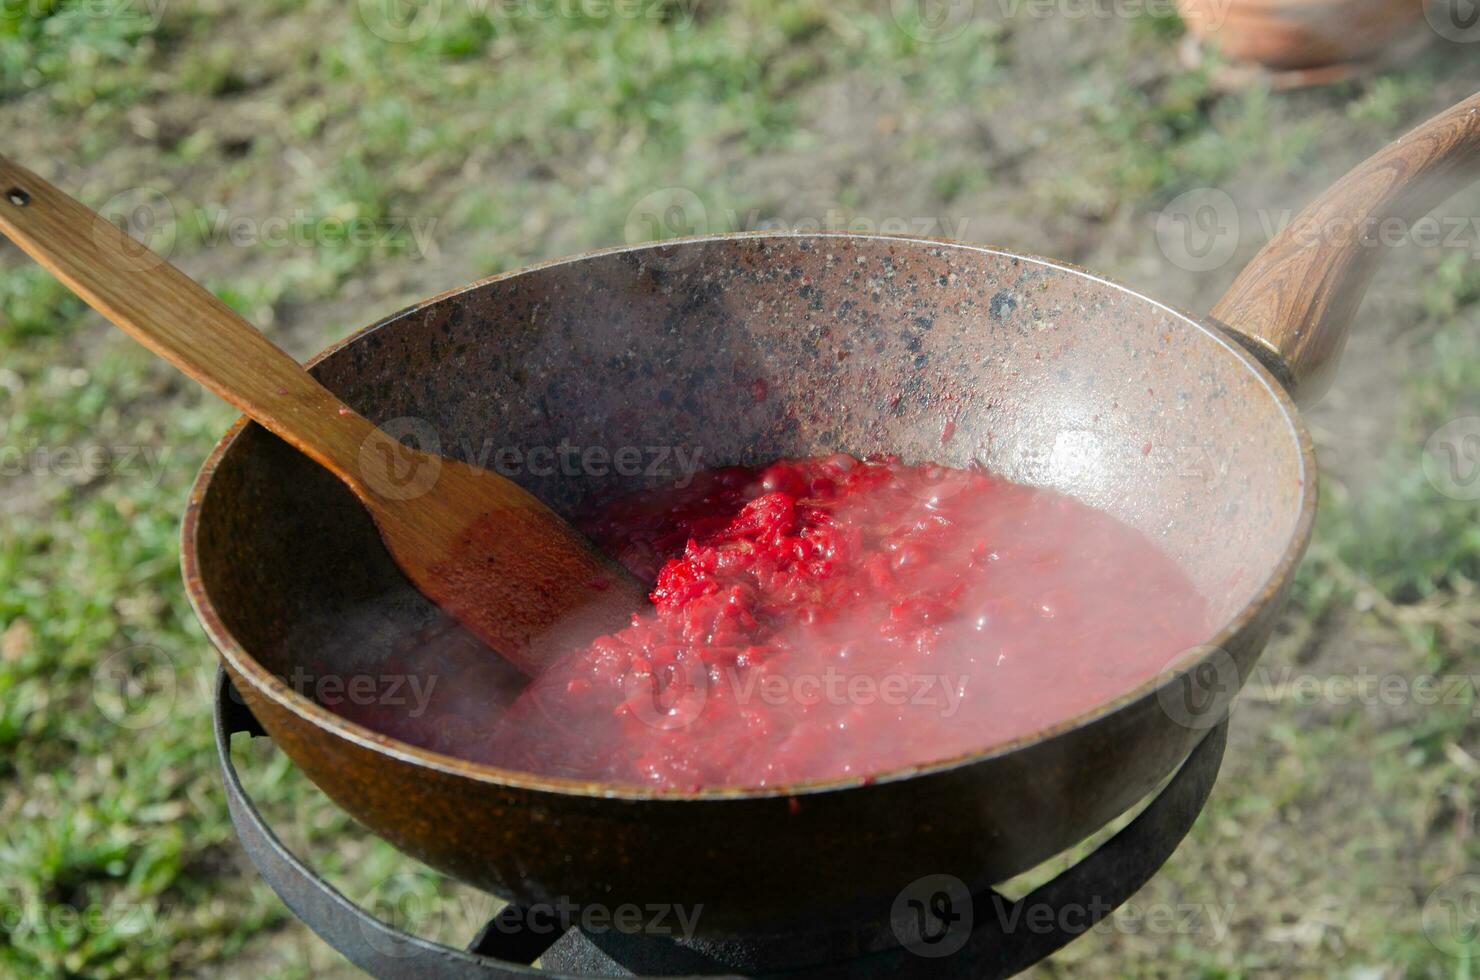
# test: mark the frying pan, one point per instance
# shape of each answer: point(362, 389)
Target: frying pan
point(1051, 376)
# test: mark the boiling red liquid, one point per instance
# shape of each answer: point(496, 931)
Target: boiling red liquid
point(831, 618)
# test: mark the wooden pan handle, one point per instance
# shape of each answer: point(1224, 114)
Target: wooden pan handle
point(1294, 301)
point(170, 314)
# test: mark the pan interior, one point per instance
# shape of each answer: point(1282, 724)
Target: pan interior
point(742, 350)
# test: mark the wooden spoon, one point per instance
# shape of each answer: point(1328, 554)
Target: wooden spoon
point(477, 544)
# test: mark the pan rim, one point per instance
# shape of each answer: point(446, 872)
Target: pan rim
point(268, 685)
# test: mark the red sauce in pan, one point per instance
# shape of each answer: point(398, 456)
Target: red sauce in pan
point(826, 618)
point(830, 617)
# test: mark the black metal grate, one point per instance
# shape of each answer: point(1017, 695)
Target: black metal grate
point(993, 946)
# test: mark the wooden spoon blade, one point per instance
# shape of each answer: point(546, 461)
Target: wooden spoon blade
point(492, 555)
point(488, 551)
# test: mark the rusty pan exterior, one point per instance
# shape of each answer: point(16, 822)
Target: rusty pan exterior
point(747, 348)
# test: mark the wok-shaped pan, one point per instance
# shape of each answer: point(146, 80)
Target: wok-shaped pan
point(1181, 426)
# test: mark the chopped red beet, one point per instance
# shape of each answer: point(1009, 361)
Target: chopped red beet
point(817, 618)
point(833, 617)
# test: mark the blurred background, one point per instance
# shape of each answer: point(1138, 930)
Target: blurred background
point(320, 164)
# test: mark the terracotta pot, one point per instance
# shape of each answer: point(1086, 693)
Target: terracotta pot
point(1299, 34)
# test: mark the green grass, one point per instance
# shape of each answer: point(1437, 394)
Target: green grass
point(1399, 532)
point(126, 824)
point(527, 138)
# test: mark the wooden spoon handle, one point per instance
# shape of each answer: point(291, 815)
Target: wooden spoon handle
point(178, 319)
point(1294, 301)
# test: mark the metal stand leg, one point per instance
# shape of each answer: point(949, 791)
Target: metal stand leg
point(1002, 942)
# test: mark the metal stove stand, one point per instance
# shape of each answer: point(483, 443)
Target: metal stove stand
point(1004, 938)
